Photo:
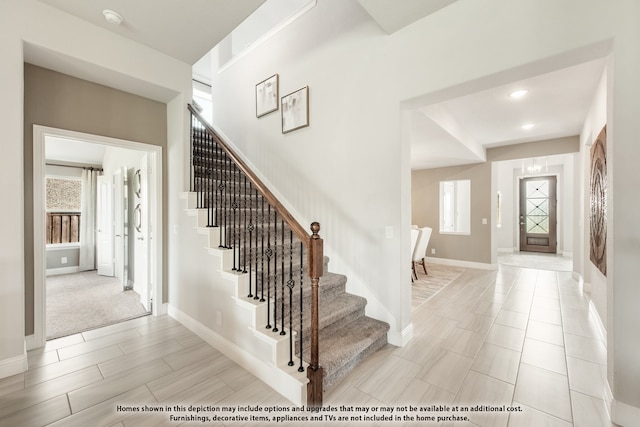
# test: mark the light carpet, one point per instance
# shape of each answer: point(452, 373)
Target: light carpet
point(438, 276)
point(82, 301)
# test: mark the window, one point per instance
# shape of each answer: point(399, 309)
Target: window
point(455, 207)
point(63, 210)
point(202, 97)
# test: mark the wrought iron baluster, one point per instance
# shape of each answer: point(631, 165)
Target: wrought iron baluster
point(282, 331)
point(234, 207)
point(200, 171)
point(300, 338)
point(193, 121)
point(226, 203)
point(244, 233)
point(291, 284)
point(250, 228)
point(268, 253)
point(209, 182)
point(259, 254)
point(275, 271)
point(220, 164)
point(262, 221)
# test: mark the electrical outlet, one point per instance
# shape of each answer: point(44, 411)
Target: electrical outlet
point(219, 318)
point(433, 251)
point(63, 260)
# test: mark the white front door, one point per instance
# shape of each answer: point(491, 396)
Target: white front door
point(141, 229)
point(104, 227)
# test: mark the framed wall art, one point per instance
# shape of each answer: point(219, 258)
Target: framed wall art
point(295, 110)
point(267, 96)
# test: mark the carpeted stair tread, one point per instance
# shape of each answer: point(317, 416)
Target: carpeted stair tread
point(342, 308)
point(344, 345)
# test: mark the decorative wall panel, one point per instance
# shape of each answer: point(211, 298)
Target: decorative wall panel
point(598, 202)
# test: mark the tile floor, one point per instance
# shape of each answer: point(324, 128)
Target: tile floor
point(515, 337)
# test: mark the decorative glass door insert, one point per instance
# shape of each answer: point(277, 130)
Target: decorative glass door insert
point(538, 214)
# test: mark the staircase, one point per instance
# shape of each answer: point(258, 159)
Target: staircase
point(277, 269)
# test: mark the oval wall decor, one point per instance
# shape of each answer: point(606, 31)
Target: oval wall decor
point(598, 203)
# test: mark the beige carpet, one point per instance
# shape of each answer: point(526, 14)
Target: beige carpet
point(438, 276)
point(83, 301)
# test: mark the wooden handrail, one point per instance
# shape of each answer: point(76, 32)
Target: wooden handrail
point(294, 225)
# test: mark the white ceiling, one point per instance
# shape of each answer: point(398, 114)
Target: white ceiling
point(459, 130)
point(455, 131)
point(393, 15)
point(70, 151)
point(185, 30)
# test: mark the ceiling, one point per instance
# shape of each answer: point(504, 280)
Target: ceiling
point(185, 30)
point(393, 15)
point(455, 131)
point(459, 130)
point(73, 152)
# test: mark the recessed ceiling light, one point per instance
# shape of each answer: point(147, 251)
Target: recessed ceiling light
point(528, 126)
point(518, 93)
point(112, 17)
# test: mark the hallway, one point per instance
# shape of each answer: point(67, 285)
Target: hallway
point(516, 337)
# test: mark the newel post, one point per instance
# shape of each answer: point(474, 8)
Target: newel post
point(314, 372)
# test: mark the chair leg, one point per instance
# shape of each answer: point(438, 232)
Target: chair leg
point(413, 267)
point(424, 266)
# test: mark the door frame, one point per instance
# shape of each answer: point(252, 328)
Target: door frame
point(40, 133)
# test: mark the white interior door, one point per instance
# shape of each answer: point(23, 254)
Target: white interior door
point(142, 284)
point(119, 211)
point(104, 224)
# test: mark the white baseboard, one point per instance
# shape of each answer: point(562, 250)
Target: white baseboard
point(620, 413)
point(14, 365)
point(460, 263)
point(292, 388)
point(400, 339)
point(162, 309)
point(598, 320)
point(62, 270)
point(506, 250)
point(624, 415)
point(31, 342)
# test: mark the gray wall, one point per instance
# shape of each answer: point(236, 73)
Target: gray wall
point(60, 101)
point(425, 194)
point(54, 258)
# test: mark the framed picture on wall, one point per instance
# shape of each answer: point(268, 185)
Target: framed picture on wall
point(267, 96)
point(295, 110)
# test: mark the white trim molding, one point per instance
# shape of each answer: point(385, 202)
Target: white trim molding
point(14, 365)
point(620, 413)
point(460, 263)
point(61, 270)
point(402, 338)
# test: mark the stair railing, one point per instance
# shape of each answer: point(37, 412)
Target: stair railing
point(259, 229)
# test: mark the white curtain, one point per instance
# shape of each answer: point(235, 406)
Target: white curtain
point(88, 220)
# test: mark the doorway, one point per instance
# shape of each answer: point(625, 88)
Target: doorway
point(153, 157)
point(538, 214)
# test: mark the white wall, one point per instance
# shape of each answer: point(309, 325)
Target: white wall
point(102, 56)
point(595, 281)
point(348, 169)
point(338, 170)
